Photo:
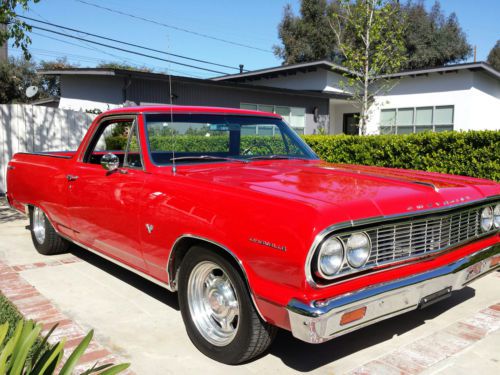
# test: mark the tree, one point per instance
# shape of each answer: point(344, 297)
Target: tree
point(306, 37)
point(432, 39)
point(17, 74)
point(494, 56)
point(16, 29)
point(370, 36)
point(50, 85)
point(123, 66)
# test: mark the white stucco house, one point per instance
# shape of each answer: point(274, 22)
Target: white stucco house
point(452, 97)
point(309, 96)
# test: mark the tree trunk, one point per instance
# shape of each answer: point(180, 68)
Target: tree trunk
point(366, 79)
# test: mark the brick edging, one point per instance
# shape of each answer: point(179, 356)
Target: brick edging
point(423, 353)
point(33, 305)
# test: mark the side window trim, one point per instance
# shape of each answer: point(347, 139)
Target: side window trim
point(134, 129)
point(99, 130)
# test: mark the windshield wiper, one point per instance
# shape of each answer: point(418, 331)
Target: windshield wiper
point(274, 157)
point(207, 157)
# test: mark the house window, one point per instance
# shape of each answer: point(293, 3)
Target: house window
point(294, 116)
point(416, 120)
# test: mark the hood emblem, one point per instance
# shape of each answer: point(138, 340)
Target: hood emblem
point(438, 204)
point(267, 243)
point(149, 228)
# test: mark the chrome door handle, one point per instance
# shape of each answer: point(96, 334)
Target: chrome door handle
point(71, 177)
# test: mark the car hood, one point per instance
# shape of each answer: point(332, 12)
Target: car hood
point(360, 190)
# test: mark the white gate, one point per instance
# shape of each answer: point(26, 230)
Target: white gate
point(28, 128)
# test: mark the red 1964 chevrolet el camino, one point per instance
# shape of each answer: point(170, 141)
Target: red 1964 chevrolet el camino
point(231, 209)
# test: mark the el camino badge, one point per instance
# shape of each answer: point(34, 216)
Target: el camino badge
point(267, 243)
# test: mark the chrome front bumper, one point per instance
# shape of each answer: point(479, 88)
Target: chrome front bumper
point(321, 321)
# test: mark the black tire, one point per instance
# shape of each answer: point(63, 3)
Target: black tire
point(253, 335)
point(52, 243)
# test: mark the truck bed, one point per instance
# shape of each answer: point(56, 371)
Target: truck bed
point(40, 178)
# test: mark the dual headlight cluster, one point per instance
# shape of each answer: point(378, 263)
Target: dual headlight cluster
point(333, 251)
point(490, 218)
point(356, 249)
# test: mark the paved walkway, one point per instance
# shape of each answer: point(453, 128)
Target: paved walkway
point(138, 321)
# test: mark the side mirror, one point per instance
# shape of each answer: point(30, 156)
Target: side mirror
point(110, 162)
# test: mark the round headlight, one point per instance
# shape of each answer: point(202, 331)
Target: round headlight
point(496, 216)
point(330, 257)
point(358, 249)
point(486, 219)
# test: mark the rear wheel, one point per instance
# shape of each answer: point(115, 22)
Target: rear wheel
point(217, 310)
point(44, 237)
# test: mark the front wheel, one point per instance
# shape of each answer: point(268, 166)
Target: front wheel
point(217, 310)
point(44, 237)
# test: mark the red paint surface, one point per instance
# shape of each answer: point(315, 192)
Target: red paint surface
point(285, 202)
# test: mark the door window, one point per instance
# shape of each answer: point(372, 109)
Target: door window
point(119, 137)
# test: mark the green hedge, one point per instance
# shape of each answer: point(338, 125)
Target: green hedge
point(471, 153)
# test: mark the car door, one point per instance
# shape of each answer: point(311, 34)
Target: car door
point(104, 205)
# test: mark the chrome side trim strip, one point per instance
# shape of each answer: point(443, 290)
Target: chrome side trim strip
point(320, 321)
point(113, 260)
point(172, 277)
point(352, 224)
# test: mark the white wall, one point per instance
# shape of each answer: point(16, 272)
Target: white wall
point(27, 128)
point(474, 109)
point(337, 111)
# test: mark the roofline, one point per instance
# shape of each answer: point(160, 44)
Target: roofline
point(447, 68)
point(281, 68)
point(325, 63)
point(206, 82)
point(77, 71)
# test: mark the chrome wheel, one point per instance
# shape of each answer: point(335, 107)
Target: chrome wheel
point(39, 225)
point(213, 303)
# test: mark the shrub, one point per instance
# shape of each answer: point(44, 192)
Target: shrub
point(24, 351)
point(471, 153)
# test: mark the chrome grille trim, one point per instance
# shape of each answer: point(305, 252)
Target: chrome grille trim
point(418, 234)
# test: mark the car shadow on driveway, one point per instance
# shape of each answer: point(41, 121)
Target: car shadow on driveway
point(7, 214)
point(134, 280)
point(294, 353)
point(304, 357)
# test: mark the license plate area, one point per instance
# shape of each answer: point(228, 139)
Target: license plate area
point(435, 297)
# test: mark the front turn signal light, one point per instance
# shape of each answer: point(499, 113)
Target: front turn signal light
point(353, 315)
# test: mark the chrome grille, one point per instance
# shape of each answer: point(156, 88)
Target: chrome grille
point(416, 237)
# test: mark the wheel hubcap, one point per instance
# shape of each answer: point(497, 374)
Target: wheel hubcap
point(39, 225)
point(213, 303)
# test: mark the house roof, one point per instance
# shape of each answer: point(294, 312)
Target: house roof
point(204, 82)
point(284, 70)
point(477, 66)
point(292, 69)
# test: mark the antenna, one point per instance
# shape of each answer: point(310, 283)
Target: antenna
point(174, 169)
point(31, 91)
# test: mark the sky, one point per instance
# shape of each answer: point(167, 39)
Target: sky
point(203, 22)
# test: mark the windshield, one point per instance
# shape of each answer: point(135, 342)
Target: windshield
point(194, 138)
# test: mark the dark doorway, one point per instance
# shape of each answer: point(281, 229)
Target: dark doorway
point(350, 124)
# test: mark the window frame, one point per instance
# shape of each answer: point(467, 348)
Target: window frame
point(309, 153)
point(431, 127)
point(99, 129)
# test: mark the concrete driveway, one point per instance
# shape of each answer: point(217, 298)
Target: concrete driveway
point(141, 322)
